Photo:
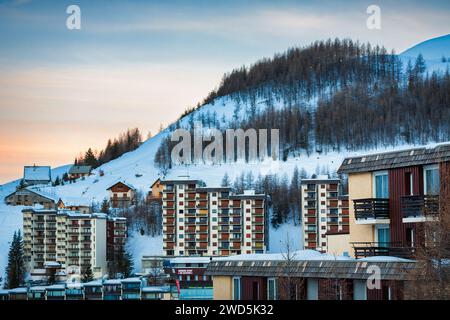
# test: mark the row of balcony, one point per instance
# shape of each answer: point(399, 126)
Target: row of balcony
point(417, 206)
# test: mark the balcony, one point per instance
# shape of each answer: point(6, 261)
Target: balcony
point(372, 249)
point(419, 208)
point(371, 210)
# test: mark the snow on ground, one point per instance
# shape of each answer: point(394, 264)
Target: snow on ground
point(299, 255)
point(139, 245)
point(287, 233)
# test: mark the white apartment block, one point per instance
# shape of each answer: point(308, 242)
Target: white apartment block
point(208, 221)
point(70, 240)
point(324, 212)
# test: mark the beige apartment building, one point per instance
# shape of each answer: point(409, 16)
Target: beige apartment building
point(325, 216)
point(68, 241)
point(205, 221)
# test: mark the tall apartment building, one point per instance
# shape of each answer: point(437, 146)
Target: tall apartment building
point(324, 212)
point(205, 221)
point(71, 240)
point(116, 229)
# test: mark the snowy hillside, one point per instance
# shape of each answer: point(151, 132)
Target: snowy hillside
point(432, 50)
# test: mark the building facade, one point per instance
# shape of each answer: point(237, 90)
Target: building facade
point(76, 172)
point(324, 213)
point(29, 197)
point(392, 195)
point(121, 195)
point(269, 279)
point(204, 221)
point(67, 241)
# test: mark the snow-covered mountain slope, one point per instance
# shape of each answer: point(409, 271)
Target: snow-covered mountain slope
point(432, 51)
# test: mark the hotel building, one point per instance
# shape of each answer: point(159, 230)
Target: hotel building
point(205, 221)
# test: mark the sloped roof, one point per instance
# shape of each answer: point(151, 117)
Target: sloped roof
point(37, 173)
point(334, 269)
point(80, 170)
point(396, 159)
point(122, 182)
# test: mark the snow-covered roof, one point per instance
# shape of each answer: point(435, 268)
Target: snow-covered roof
point(4, 292)
point(135, 279)
point(80, 169)
point(44, 192)
point(129, 185)
point(75, 201)
point(37, 173)
point(38, 288)
point(57, 287)
point(156, 289)
point(93, 283)
point(299, 255)
point(384, 259)
point(18, 290)
point(180, 260)
point(52, 264)
point(112, 282)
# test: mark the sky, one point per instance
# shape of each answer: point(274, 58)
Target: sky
point(141, 63)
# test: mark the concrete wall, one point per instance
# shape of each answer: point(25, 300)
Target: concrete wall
point(223, 287)
point(360, 186)
point(338, 244)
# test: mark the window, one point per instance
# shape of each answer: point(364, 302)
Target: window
point(271, 289)
point(431, 180)
point(383, 234)
point(409, 184)
point(381, 185)
point(236, 288)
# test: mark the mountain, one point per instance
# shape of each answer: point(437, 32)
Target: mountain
point(433, 50)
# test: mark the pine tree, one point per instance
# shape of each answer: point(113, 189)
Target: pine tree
point(226, 180)
point(125, 263)
point(90, 159)
point(105, 206)
point(15, 270)
point(88, 275)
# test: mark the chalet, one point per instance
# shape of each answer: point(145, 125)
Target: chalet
point(30, 197)
point(156, 192)
point(74, 204)
point(271, 277)
point(391, 195)
point(121, 195)
point(33, 175)
point(76, 172)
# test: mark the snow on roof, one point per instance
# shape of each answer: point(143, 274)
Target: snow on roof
point(56, 287)
point(80, 169)
point(37, 173)
point(18, 290)
point(122, 182)
point(38, 288)
point(384, 259)
point(74, 285)
point(112, 282)
point(43, 193)
point(190, 260)
point(3, 292)
point(300, 255)
point(156, 289)
point(93, 283)
point(135, 279)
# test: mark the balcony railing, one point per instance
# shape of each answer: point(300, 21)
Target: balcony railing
point(372, 249)
point(371, 208)
point(419, 205)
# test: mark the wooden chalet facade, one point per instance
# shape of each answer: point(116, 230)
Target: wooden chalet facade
point(121, 195)
point(76, 172)
point(392, 195)
point(29, 197)
point(156, 192)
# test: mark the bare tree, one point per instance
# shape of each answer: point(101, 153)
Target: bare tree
point(431, 279)
point(290, 287)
